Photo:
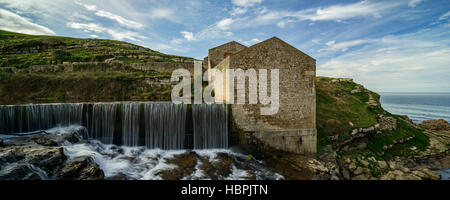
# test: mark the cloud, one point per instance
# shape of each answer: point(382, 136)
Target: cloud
point(281, 18)
point(251, 42)
point(224, 24)
point(189, 36)
point(283, 23)
point(343, 46)
point(246, 3)
point(116, 34)
point(162, 13)
point(238, 11)
point(445, 16)
point(413, 62)
point(10, 21)
point(414, 3)
point(342, 12)
point(119, 19)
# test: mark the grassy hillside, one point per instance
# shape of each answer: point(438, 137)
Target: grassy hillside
point(49, 68)
point(343, 106)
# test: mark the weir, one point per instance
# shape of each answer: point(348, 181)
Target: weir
point(152, 124)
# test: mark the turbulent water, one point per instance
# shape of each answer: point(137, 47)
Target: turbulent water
point(418, 106)
point(139, 163)
point(152, 124)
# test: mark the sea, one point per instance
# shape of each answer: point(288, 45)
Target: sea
point(419, 107)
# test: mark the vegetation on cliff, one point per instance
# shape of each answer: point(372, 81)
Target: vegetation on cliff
point(344, 106)
point(54, 69)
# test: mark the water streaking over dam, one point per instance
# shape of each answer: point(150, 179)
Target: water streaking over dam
point(161, 125)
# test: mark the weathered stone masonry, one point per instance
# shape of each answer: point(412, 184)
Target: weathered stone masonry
point(293, 128)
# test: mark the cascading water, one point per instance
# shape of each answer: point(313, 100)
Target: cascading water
point(210, 126)
point(165, 125)
point(101, 124)
point(153, 124)
point(130, 123)
point(38, 117)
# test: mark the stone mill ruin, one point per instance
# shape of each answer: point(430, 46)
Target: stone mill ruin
point(198, 126)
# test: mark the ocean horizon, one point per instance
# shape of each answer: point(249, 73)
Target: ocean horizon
point(419, 106)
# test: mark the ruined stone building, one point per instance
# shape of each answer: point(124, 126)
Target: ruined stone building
point(293, 127)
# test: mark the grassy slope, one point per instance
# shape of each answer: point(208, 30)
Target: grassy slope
point(337, 107)
point(19, 83)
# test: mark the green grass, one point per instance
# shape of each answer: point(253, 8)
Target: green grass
point(337, 107)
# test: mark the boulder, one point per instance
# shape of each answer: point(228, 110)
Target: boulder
point(436, 125)
point(45, 141)
point(81, 168)
point(364, 163)
point(387, 123)
point(382, 164)
point(19, 172)
point(431, 174)
point(361, 177)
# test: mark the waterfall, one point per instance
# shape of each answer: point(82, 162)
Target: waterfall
point(152, 124)
point(210, 126)
point(38, 117)
point(130, 123)
point(165, 125)
point(102, 122)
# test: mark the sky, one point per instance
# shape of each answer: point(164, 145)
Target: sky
point(388, 46)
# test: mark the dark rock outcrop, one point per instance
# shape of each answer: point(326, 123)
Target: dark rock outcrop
point(81, 168)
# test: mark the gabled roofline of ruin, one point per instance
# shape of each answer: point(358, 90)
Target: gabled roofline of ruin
point(232, 42)
point(268, 40)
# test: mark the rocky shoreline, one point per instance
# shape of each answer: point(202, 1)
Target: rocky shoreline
point(43, 156)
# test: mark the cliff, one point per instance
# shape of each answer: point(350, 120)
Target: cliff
point(54, 69)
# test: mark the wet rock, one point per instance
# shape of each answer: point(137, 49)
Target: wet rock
point(1, 142)
point(46, 158)
point(45, 141)
point(81, 168)
point(19, 172)
point(185, 166)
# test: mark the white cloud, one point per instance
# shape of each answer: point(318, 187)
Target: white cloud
point(10, 21)
point(414, 3)
point(93, 36)
point(281, 18)
point(238, 11)
point(119, 19)
point(343, 46)
point(116, 34)
point(403, 63)
point(284, 23)
point(251, 42)
point(225, 23)
point(246, 3)
point(162, 13)
point(445, 16)
point(342, 12)
point(189, 36)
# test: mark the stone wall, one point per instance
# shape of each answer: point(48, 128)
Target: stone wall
point(293, 128)
point(216, 55)
point(163, 67)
